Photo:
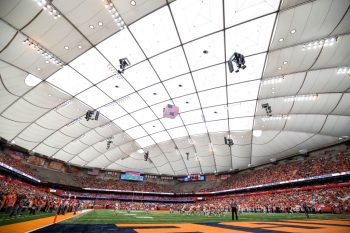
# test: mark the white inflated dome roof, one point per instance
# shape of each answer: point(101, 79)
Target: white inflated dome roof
point(297, 56)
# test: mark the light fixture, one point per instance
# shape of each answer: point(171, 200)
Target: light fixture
point(279, 68)
point(343, 70)
point(276, 118)
point(47, 61)
point(228, 141)
point(123, 63)
point(91, 26)
point(146, 155)
point(293, 31)
point(109, 142)
point(38, 69)
point(210, 146)
point(281, 39)
point(118, 101)
point(114, 13)
point(43, 52)
point(80, 47)
point(267, 108)
point(257, 133)
point(133, 3)
point(319, 43)
point(31, 80)
point(312, 97)
point(47, 6)
point(66, 47)
point(285, 62)
point(271, 81)
point(140, 151)
point(100, 24)
point(92, 115)
point(237, 61)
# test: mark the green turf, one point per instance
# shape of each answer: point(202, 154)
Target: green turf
point(109, 217)
point(5, 219)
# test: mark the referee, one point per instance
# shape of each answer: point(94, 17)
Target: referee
point(234, 210)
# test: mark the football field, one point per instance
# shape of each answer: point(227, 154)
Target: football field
point(98, 221)
point(110, 217)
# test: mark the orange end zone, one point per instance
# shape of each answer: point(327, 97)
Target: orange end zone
point(33, 224)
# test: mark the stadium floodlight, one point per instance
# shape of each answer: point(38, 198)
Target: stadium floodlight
point(146, 155)
point(92, 115)
point(236, 60)
point(123, 63)
point(267, 108)
point(109, 142)
point(228, 141)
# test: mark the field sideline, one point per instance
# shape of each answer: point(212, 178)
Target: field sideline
point(109, 217)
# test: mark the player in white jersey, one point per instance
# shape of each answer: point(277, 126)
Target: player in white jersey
point(116, 207)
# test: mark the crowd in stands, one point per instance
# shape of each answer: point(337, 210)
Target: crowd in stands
point(146, 186)
point(291, 170)
point(336, 200)
point(16, 164)
point(129, 196)
point(325, 163)
point(17, 198)
point(330, 200)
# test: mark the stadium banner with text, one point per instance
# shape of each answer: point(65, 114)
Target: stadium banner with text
point(19, 172)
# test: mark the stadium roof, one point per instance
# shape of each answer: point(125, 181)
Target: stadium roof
point(58, 63)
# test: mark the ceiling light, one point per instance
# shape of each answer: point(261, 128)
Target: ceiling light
point(279, 68)
point(114, 13)
point(312, 97)
point(91, 26)
point(293, 31)
point(38, 69)
point(49, 95)
point(39, 49)
point(100, 24)
point(281, 39)
point(343, 70)
point(140, 151)
point(285, 63)
point(66, 47)
point(80, 47)
point(50, 8)
point(31, 80)
point(319, 43)
point(257, 133)
point(276, 118)
point(47, 61)
point(133, 3)
point(271, 81)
